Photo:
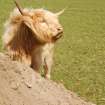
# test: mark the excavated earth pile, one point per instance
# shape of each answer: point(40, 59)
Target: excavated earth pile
point(21, 85)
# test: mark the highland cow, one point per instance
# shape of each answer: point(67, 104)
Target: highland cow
point(30, 35)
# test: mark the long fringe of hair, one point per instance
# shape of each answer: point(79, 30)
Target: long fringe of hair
point(26, 38)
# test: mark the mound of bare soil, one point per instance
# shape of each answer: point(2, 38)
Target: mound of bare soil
point(20, 85)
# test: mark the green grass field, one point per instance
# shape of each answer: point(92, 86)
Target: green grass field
point(80, 54)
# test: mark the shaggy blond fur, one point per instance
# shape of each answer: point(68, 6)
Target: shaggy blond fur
point(30, 38)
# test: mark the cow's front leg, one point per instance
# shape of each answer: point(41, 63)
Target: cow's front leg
point(36, 61)
point(48, 61)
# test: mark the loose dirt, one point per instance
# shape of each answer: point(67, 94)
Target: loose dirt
point(21, 85)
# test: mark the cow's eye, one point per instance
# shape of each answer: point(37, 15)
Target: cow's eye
point(43, 21)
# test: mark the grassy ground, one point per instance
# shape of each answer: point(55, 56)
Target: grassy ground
point(80, 54)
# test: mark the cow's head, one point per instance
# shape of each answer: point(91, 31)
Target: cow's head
point(44, 24)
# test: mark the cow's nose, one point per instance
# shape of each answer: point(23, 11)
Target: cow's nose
point(60, 30)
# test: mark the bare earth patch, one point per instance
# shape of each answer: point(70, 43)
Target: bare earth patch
point(20, 85)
